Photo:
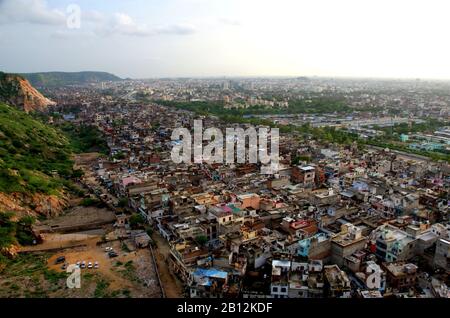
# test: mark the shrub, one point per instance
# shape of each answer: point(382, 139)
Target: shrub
point(136, 220)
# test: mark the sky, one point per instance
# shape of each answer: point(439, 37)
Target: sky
point(202, 38)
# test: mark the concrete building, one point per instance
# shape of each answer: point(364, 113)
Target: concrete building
point(393, 244)
point(347, 242)
point(279, 287)
point(442, 254)
point(304, 175)
point(337, 283)
point(400, 275)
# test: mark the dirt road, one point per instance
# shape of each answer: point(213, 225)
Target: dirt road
point(173, 287)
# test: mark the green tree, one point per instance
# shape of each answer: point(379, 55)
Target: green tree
point(123, 202)
point(201, 239)
point(136, 221)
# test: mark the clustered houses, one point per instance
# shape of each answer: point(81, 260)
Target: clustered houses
point(349, 223)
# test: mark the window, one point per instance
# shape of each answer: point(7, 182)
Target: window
point(275, 289)
point(283, 289)
point(381, 245)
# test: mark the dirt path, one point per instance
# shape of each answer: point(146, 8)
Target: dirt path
point(173, 287)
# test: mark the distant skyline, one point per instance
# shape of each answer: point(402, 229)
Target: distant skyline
point(229, 38)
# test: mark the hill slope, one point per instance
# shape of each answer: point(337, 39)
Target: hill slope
point(49, 79)
point(17, 91)
point(35, 162)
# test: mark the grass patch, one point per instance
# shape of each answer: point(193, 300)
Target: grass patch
point(101, 289)
point(53, 276)
point(125, 248)
point(88, 276)
point(129, 271)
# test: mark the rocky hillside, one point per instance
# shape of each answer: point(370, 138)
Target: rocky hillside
point(17, 91)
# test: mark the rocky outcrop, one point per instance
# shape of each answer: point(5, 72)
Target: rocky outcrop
point(10, 251)
point(17, 91)
point(33, 204)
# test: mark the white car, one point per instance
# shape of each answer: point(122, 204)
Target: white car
point(108, 249)
point(90, 265)
point(96, 265)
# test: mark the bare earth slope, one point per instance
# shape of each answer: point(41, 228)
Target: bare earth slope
point(17, 91)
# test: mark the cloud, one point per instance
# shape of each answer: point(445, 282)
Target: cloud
point(93, 16)
point(72, 35)
point(123, 24)
point(30, 11)
point(231, 22)
point(37, 12)
point(180, 29)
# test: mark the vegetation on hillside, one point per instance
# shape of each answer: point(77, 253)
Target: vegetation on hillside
point(8, 88)
point(33, 156)
point(65, 78)
point(15, 232)
point(28, 276)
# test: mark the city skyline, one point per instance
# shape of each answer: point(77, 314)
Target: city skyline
point(197, 38)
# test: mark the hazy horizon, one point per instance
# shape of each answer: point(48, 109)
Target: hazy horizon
point(231, 77)
point(234, 38)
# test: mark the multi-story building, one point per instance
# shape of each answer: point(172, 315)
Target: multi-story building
point(400, 275)
point(393, 244)
point(347, 242)
point(442, 254)
point(279, 287)
point(304, 175)
point(337, 283)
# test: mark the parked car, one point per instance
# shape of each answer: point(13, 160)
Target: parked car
point(90, 265)
point(112, 254)
point(83, 264)
point(96, 265)
point(64, 266)
point(108, 249)
point(60, 260)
